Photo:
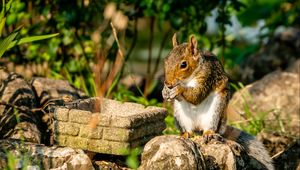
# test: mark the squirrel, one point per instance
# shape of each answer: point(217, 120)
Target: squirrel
point(197, 83)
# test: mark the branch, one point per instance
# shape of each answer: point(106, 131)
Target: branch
point(117, 64)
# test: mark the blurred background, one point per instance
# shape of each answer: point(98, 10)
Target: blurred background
point(86, 48)
point(116, 48)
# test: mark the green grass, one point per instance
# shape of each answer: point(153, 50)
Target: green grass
point(256, 121)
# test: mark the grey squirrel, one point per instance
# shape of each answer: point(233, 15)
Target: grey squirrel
point(199, 86)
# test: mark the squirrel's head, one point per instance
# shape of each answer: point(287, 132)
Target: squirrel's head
point(181, 61)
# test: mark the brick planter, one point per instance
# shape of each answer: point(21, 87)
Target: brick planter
point(116, 127)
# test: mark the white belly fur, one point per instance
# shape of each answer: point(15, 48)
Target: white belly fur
point(197, 117)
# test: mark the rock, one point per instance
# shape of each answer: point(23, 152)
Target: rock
point(294, 67)
point(109, 165)
point(27, 70)
point(174, 152)
point(274, 142)
point(51, 92)
point(171, 152)
point(277, 54)
point(29, 155)
point(50, 89)
point(289, 158)
point(276, 95)
point(3, 74)
point(107, 126)
point(22, 123)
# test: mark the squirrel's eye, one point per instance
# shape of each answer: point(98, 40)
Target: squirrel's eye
point(183, 65)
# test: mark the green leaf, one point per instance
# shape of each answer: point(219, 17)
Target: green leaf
point(5, 8)
point(31, 39)
point(2, 10)
point(2, 23)
point(12, 19)
point(4, 44)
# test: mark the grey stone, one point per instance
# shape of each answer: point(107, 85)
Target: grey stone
point(26, 130)
point(170, 152)
point(31, 155)
point(175, 152)
point(51, 89)
point(19, 123)
point(278, 91)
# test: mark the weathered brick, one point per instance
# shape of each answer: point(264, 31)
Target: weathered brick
point(118, 148)
point(61, 114)
point(66, 128)
point(77, 142)
point(154, 128)
point(79, 116)
point(122, 122)
point(100, 146)
point(91, 133)
point(150, 114)
point(117, 126)
point(104, 119)
point(116, 134)
point(60, 139)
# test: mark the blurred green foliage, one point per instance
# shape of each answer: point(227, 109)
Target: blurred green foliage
point(72, 54)
point(8, 15)
point(82, 25)
point(132, 157)
point(275, 13)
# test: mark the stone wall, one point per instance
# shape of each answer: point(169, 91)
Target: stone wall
point(116, 127)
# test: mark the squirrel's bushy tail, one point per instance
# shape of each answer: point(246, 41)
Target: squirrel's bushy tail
point(253, 147)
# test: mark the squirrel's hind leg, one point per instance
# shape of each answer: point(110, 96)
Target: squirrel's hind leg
point(183, 132)
point(187, 134)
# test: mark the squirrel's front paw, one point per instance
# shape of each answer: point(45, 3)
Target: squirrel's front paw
point(174, 92)
point(165, 93)
point(171, 93)
point(211, 135)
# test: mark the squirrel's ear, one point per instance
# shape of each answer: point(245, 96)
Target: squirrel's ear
point(193, 44)
point(174, 40)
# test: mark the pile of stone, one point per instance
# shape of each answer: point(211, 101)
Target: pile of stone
point(107, 126)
